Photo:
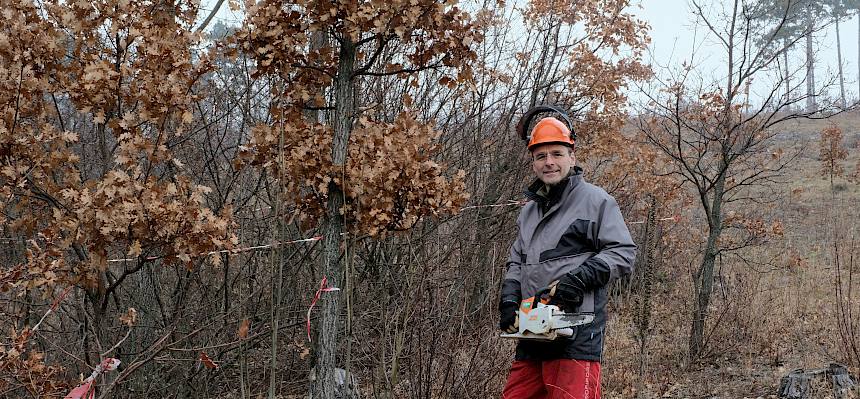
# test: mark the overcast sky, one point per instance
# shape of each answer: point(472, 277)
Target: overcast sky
point(675, 37)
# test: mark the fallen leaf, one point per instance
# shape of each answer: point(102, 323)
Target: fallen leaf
point(243, 329)
point(207, 361)
point(134, 249)
point(130, 317)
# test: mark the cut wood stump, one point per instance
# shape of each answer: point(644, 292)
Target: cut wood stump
point(808, 384)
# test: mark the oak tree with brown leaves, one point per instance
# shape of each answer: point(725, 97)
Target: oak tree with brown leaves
point(831, 153)
point(352, 172)
point(94, 96)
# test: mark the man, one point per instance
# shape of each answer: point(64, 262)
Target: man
point(572, 241)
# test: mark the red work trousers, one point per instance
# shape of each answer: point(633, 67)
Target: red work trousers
point(553, 379)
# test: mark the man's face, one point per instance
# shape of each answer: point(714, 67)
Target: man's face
point(552, 162)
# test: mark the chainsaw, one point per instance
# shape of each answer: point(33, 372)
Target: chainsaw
point(541, 321)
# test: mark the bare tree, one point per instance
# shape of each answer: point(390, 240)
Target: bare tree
point(720, 141)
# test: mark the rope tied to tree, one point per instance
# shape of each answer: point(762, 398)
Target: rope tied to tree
point(86, 390)
point(317, 295)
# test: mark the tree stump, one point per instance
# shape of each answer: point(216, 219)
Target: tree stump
point(346, 384)
point(804, 384)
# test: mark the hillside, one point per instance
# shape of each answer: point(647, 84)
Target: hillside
point(776, 310)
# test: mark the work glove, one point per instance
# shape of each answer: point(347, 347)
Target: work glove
point(569, 291)
point(566, 293)
point(508, 319)
point(509, 303)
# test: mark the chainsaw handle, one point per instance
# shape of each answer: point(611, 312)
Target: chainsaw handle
point(545, 294)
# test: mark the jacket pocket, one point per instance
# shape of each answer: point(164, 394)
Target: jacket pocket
point(577, 239)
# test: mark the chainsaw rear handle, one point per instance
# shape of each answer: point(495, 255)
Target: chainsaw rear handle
point(526, 120)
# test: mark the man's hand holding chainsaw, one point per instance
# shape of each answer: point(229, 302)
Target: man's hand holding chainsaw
point(566, 293)
point(508, 318)
point(569, 291)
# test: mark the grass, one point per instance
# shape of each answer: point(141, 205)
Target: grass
point(768, 317)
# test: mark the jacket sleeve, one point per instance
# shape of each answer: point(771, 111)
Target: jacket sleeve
point(616, 250)
point(510, 291)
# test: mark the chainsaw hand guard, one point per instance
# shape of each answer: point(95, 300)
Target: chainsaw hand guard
point(545, 294)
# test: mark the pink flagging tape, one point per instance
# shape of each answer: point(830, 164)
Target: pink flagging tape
point(232, 251)
point(509, 203)
point(133, 259)
point(246, 249)
point(675, 219)
point(323, 288)
point(52, 308)
point(87, 390)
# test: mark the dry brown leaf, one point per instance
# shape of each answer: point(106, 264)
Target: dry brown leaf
point(242, 333)
point(207, 362)
point(129, 318)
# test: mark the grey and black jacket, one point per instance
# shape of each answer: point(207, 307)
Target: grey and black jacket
point(571, 226)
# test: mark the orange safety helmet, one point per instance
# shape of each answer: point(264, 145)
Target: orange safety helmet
point(548, 129)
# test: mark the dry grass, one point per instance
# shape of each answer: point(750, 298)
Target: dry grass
point(770, 316)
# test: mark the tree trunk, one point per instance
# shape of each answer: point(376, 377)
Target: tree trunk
point(811, 103)
point(276, 260)
point(324, 385)
point(101, 331)
point(704, 278)
point(787, 75)
point(705, 275)
point(839, 58)
point(318, 42)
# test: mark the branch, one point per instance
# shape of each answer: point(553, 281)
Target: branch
point(404, 70)
point(701, 14)
point(211, 15)
point(315, 68)
point(383, 41)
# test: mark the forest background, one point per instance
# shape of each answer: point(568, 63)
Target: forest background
point(320, 199)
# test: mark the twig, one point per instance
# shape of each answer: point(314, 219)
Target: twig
point(127, 333)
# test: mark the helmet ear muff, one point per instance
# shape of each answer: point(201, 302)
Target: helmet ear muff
point(527, 118)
